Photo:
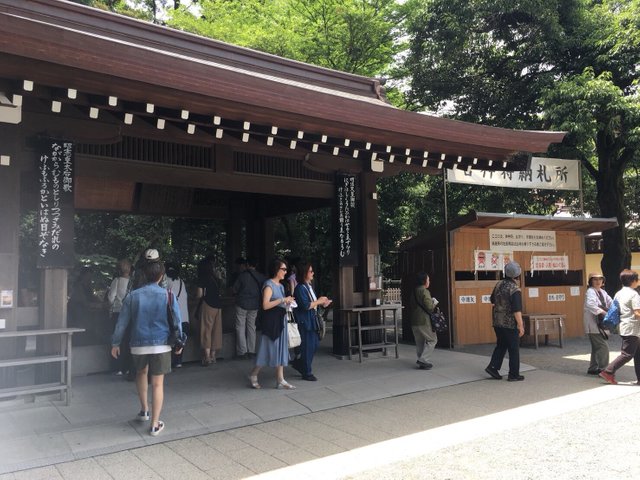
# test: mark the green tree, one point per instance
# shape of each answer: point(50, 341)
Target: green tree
point(565, 64)
point(356, 36)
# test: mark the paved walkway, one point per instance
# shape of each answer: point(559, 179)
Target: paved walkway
point(357, 416)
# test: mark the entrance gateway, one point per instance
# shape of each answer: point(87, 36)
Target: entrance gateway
point(165, 122)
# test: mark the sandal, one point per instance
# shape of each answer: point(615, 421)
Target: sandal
point(253, 379)
point(285, 385)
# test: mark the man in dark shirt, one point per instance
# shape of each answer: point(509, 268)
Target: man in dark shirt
point(247, 289)
point(507, 323)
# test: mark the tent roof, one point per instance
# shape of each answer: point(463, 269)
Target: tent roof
point(511, 221)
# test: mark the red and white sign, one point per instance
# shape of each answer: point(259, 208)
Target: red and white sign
point(549, 263)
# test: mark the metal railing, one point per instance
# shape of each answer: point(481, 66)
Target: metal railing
point(63, 357)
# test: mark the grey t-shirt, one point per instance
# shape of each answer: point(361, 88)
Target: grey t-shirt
point(248, 289)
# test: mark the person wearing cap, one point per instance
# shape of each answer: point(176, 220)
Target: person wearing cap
point(596, 303)
point(507, 323)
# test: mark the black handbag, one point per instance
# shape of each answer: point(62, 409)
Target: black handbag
point(439, 323)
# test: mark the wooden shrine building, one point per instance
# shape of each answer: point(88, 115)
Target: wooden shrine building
point(550, 250)
point(100, 112)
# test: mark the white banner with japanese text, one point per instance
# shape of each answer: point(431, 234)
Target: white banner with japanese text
point(545, 173)
point(549, 263)
point(511, 240)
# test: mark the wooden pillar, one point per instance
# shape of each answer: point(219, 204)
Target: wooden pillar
point(10, 215)
point(353, 282)
point(370, 244)
point(9, 244)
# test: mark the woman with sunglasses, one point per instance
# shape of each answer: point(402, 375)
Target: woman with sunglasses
point(307, 319)
point(273, 348)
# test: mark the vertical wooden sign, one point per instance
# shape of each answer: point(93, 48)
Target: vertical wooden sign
point(346, 223)
point(55, 204)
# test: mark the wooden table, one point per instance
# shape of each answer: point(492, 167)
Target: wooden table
point(381, 326)
point(544, 324)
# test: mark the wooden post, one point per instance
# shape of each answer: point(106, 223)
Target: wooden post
point(9, 245)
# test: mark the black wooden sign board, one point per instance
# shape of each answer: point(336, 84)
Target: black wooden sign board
point(346, 222)
point(55, 204)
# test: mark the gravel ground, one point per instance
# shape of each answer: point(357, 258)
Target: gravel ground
point(599, 441)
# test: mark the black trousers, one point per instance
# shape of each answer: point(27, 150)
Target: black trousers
point(630, 350)
point(507, 340)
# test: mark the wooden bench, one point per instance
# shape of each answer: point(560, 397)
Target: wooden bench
point(64, 358)
point(544, 324)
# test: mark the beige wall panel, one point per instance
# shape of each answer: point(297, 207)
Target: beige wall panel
point(472, 321)
point(571, 307)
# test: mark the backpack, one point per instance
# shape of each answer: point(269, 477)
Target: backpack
point(612, 318)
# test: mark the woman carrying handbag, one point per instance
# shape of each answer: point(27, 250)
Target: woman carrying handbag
point(307, 318)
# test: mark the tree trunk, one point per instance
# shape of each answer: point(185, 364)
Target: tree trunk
point(616, 253)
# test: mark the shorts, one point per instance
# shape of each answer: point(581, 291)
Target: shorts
point(159, 363)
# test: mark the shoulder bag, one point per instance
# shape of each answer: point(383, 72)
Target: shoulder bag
point(439, 323)
point(293, 334)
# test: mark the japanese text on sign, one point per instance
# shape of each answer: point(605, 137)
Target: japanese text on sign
point(555, 297)
point(549, 263)
point(545, 173)
point(55, 204)
point(522, 240)
point(346, 193)
point(467, 299)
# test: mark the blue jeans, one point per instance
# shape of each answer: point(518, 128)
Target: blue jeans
point(507, 340)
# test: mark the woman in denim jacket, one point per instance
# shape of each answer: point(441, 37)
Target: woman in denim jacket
point(146, 310)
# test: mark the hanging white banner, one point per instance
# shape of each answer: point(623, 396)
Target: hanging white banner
point(512, 240)
point(540, 263)
point(545, 173)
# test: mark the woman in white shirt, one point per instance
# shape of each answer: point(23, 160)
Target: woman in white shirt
point(629, 301)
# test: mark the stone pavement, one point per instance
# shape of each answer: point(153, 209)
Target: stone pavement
point(356, 417)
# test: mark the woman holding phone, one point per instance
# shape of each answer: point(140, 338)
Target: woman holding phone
point(306, 316)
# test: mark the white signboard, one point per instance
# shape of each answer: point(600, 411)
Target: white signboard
point(534, 293)
point(486, 260)
point(486, 298)
point(467, 299)
point(549, 263)
point(545, 173)
point(555, 297)
point(575, 291)
point(507, 240)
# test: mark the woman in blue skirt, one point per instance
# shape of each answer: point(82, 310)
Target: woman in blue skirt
point(273, 348)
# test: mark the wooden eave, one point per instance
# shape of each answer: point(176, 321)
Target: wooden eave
point(60, 45)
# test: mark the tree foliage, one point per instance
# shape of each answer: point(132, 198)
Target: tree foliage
point(560, 64)
point(355, 36)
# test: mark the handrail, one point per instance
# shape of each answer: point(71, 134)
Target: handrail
point(51, 331)
point(64, 357)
